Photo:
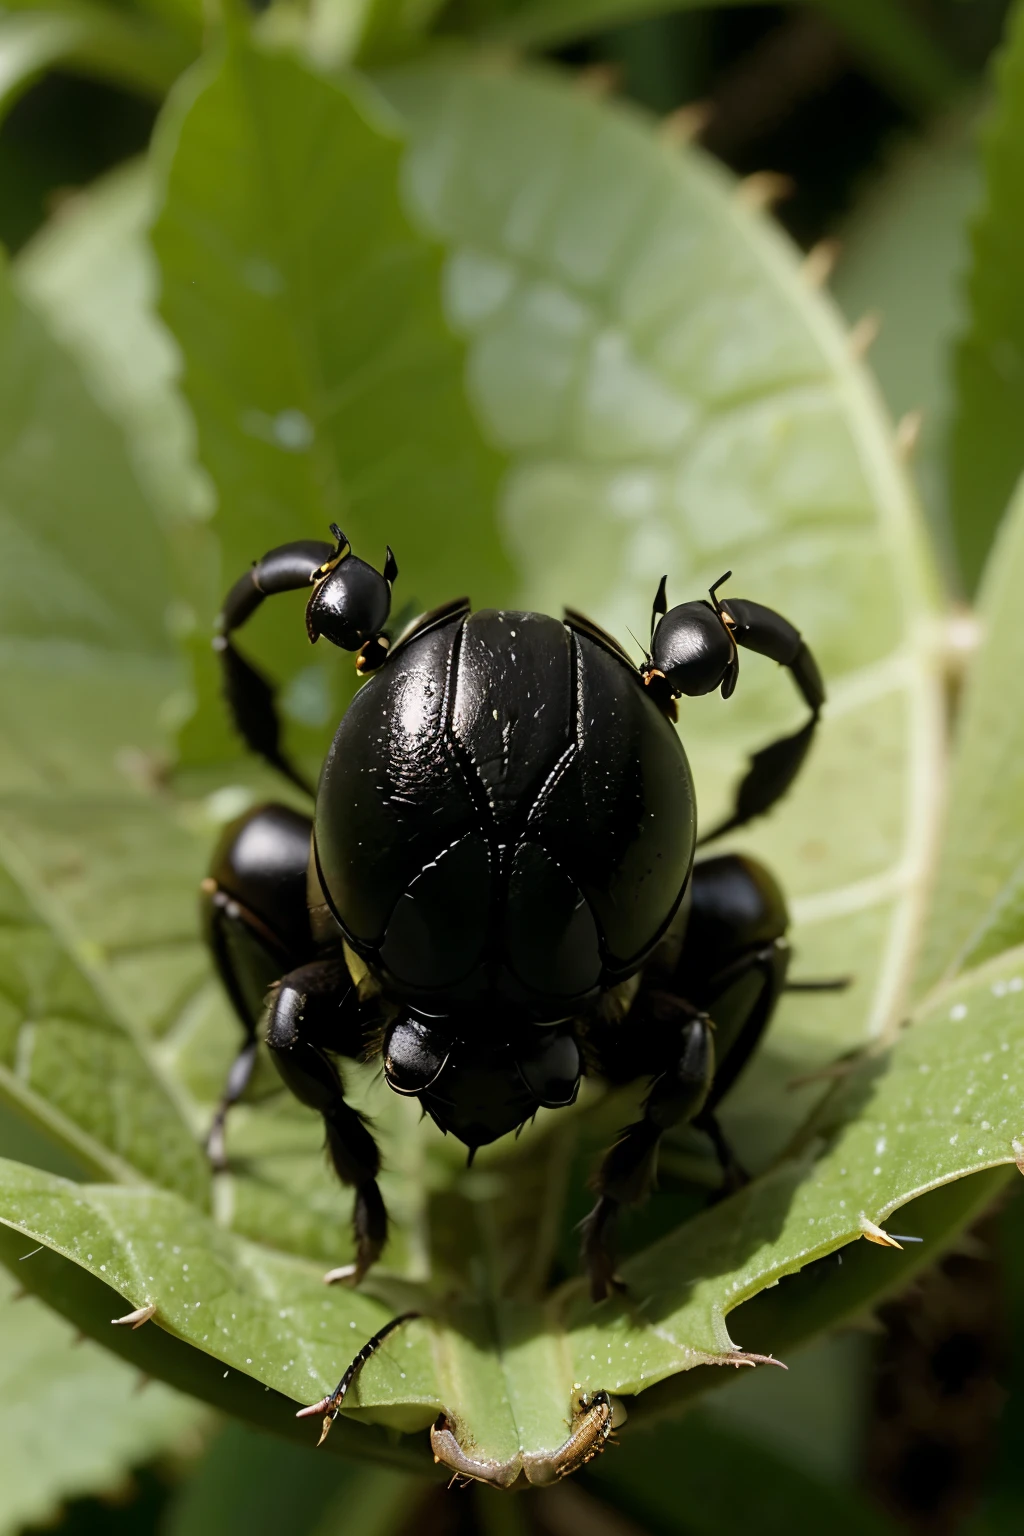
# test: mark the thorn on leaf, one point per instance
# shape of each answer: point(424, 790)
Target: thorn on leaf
point(685, 124)
point(864, 334)
point(137, 1318)
point(763, 189)
point(819, 262)
point(875, 1234)
point(908, 434)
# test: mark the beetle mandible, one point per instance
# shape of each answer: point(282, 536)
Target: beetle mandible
point(497, 888)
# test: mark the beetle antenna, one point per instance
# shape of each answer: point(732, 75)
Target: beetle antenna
point(713, 591)
point(660, 605)
point(636, 642)
point(343, 544)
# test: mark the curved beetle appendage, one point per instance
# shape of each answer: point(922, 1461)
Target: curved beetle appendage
point(330, 1406)
point(594, 1416)
point(349, 605)
point(448, 1452)
point(694, 651)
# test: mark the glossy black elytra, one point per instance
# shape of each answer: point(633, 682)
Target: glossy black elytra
point(497, 889)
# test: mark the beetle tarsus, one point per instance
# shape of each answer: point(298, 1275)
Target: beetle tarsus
point(239, 1075)
point(598, 1248)
point(627, 1173)
point(307, 1015)
point(734, 1175)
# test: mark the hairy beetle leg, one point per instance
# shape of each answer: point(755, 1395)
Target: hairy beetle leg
point(316, 1007)
point(627, 1173)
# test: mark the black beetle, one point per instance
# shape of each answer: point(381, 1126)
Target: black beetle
point(499, 893)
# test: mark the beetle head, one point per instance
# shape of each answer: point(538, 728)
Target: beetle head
point(350, 603)
point(692, 646)
point(477, 1084)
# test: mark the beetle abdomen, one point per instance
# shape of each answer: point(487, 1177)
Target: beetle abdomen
point(504, 812)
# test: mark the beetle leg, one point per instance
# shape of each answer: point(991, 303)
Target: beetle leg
point(628, 1170)
point(741, 998)
point(255, 920)
point(734, 1175)
point(772, 769)
point(314, 1005)
point(236, 1083)
point(249, 695)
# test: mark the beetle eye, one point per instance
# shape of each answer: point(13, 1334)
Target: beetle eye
point(550, 1068)
point(415, 1054)
point(692, 647)
point(349, 605)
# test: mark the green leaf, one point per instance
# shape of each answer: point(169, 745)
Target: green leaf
point(88, 664)
point(390, 28)
point(887, 34)
point(87, 671)
point(29, 44)
point(978, 910)
point(986, 453)
point(904, 249)
point(309, 268)
point(50, 1450)
point(91, 275)
point(264, 1315)
point(92, 38)
point(89, 1302)
point(946, 1101)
